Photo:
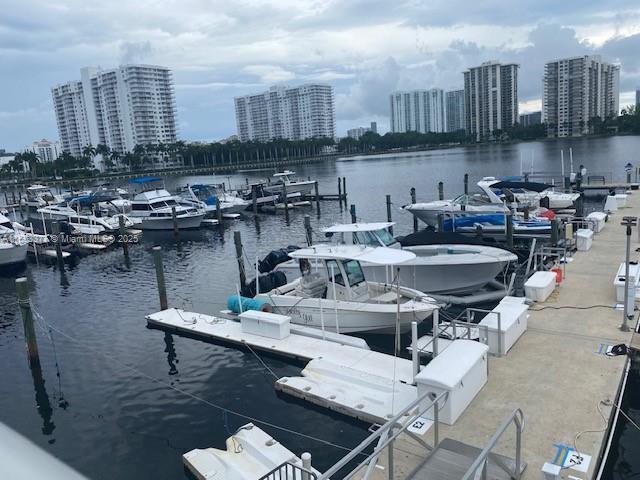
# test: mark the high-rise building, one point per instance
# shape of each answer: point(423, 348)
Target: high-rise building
point(455, 110)
point(307, 111)
point(577, 90)
point(47, 151)
point(374, 127)
point(120, 108)
point(491, 98)
point(638, 98)
point(357, 132)
point(532, 118)
point(418, 111)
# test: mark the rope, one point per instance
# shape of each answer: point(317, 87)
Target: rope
point(260, 360)
point(193, 396)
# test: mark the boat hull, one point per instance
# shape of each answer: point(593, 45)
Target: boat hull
point(11, 254)
point(296, 188)
point(430, 215)
point(166, 223)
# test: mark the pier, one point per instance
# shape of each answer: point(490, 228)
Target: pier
point(557, 373)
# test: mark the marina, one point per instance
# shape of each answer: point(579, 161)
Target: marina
point(152, 390)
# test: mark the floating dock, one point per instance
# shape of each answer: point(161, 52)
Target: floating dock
point(557, 373)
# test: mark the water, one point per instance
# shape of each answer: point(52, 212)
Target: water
point(96, 404)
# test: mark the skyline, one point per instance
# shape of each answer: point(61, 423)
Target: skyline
point(364, 50)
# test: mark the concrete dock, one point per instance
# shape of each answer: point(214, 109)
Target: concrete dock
point(556, 373)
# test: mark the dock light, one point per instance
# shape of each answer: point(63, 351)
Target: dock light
point(628, 168)
point(628, 222)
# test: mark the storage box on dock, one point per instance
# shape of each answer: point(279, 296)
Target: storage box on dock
point(513, 323)
point(270, 325)
point(621, 200)
point(618, 282)
point(584, 239)
point(540, 285)
point(461, 370)
point(597, 221)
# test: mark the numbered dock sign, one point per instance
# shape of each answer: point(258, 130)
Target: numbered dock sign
point(568, 457)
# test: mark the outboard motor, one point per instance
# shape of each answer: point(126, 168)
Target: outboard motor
point(267, 283)
point(275, 258)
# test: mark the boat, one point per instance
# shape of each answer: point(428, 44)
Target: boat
point(294, 187)
point(530, 194)
point(40, 196)
point(443, 263)
point(207, 197)
point(86, 223)
point(13, 243)
point(428, 212)
point(334, 294)
point(495, 223)
point(154, 206)
point(263, 197)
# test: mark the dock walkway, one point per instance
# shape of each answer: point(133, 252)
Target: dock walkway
point(557, 372)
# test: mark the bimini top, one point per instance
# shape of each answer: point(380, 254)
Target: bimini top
point(358, 227)
point(531, 186)
point(377, 255)
point(283, 174)
point(145, 180)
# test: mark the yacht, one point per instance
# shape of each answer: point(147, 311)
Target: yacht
point(531, 194)
point(442, 264)
point(13, 243)
point(83, 222)
point(334, 293)
point(207, 197)
point(428, 212)
point(153, 207)
point(294, 187)
point(41, 196)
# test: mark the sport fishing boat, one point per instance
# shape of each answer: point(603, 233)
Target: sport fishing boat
point(496, 224)
point(13, 243)
point(41, 196)
point(153, 206)
point(333, 292)
point(531, 194)
point(442, 264)
point(207, 197)
point(294, 187)
point(428, 212)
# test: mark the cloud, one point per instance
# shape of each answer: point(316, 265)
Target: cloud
point(269, 73)
point(135, 52)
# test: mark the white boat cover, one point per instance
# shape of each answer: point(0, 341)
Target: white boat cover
point(378, 255)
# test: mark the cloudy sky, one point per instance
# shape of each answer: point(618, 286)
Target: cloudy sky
point(365, 49)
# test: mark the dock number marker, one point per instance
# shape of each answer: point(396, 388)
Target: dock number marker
point(420, 426)
point(568, 457)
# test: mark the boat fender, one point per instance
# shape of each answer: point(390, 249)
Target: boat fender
point(239, 304)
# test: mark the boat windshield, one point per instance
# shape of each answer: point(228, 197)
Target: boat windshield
point(475, 199)
point(354, 272)
point(374, 238)
point(385, 237)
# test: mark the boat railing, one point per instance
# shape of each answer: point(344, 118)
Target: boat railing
point(557, 254)
point(386, 435)
point(470, 313)
point(289, 471)
point(478, 469)
point(468, 328)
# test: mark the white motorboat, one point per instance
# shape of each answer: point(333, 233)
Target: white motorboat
point(40, 196)
point(83, 222)
point(207, 197)
point(531, 194)
point(13, 243)
point(428, 212)
point(442, 264)
point(154, 209)
point(294, 187)
point(334, 293)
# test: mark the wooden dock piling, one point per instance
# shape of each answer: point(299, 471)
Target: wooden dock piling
point(237, 240)
point(352, 209)
point(440, 191)
point(218, 211)
point(27, 320)
point(254, 199)
point(123, 236)
point(509, 229)
point(174, 218)
point(389, 212)
point(466, 184)
point(317, 194)
point(307, 229)
point(55, 231)
point(162, 289)
point(340, 192)
point(344, 189)
point(413, 201)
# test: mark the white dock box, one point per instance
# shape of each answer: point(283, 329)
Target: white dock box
point(460, 370)
point(597, 219)
point(540, 285)
point(621, 200)
point(270, 325)
point(618, 282)
point(513, 323)
point(611, 204)
point(584, 239)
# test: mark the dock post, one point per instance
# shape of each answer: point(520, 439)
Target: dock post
point(27, 320)
point(440, 222)
point(306, 464)
point(413, 201)
point(352, 209)
point(526, 177)
point(509, 229)
point(525, 212)
point(627, 222)
point(555, 232)
point(218, 211)
point(174, 218)
point(307, 229)
point(286, 201)
point(162, 289)
point(389, 212)
point(580, 206)
point(415, 354)
point(55, 231)
point(479, 232)
point(317, 193)
point(344, 189)
point(340, 192)
point(435, 330)
point(440, 191)
point(254, 199)
point(466, 184)
point(123, 236)
point(237, 240)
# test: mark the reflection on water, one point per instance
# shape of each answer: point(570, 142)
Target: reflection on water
point(123, 425)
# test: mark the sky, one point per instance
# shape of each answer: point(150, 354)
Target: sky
point(365, 49)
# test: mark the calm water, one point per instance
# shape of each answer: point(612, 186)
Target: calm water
point(108, 420)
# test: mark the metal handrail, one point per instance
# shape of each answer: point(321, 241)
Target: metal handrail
point(401, 421)
point(470, 311)
point(283, 471)
point(517, 418)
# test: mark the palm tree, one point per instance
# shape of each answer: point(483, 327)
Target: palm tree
point(114, 157)
point(103, 151)
point(31, 158)
point(88, 153)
